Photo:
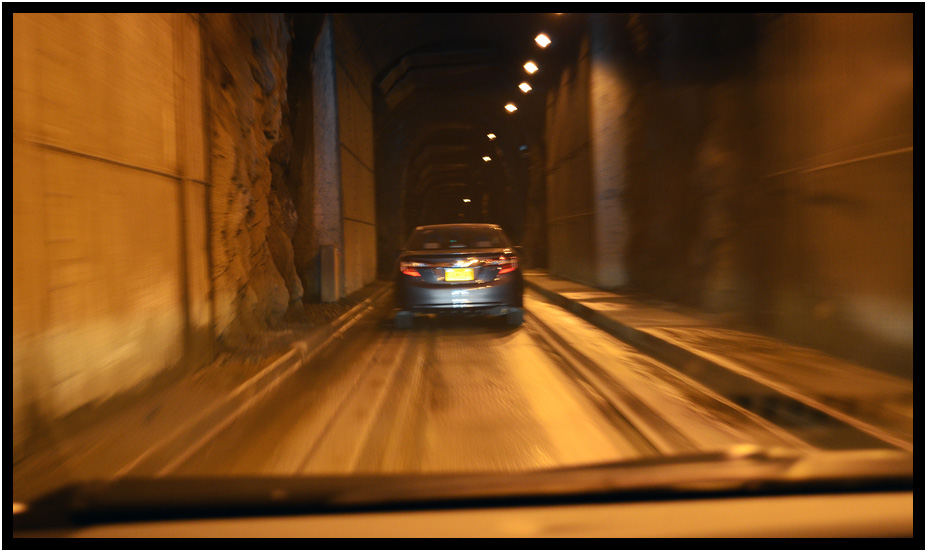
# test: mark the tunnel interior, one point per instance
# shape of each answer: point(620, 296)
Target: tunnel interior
point(446, 149)
point(705, 225)
point(187, 183)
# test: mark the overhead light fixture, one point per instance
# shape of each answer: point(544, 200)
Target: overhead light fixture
point(510, 107)
point(542, 40)
point(530, 67)
point(525, 87)
point(487, 158)
point(466, 200)
point(491, 136)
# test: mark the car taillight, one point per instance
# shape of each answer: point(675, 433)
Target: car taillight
point(408, 268)
point(505, 265)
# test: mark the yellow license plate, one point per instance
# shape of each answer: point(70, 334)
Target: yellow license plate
point(458, 274)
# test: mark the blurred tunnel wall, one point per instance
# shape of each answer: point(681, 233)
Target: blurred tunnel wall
point(757, 165)
point(111, 278)
point(835, 106)
point(168, 199)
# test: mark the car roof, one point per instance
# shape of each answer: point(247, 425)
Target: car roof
point(459, 225)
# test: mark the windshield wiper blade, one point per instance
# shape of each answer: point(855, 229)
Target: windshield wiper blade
point(837, 462)
point(763, 469)
point(735, 472)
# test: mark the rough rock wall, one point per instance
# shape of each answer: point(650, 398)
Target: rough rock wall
point(253, 218)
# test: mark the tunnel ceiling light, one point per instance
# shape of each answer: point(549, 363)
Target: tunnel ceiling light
point(525, 87)
point(530, 67)
point(487, 158)
point(542, 40)
point(491, 136)
point(510, 107)
point(466, 200)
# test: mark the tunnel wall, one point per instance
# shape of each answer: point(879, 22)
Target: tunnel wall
point(147, 221)
point(389, 200)
point(354, 78)
point(246, 65)
point(570, 198)
point(768, 172)
point(835, 100)
point(691, 157)
point(108, 163)
point(330, 173)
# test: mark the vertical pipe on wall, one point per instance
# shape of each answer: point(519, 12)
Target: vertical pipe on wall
point(181, 170)
point(208, 184)
point(326, 186)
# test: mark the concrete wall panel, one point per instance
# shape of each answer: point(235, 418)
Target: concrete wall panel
point(768, 170)
point(835, 98)
point(355, 127)
point(352, 58)
point(359, 255)
point(106, 86)
point(570, 197)
point(198, 277)
point(191, 105)
point(609, 94)
point(100, 207)
point(358, 190)
point(115, 317)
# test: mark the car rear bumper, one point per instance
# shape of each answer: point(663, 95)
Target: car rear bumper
point(497, 297)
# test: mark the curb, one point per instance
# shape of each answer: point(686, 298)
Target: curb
point(665, 351)
point(163, 457)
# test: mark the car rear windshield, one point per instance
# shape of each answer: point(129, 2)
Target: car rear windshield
point(460, 237)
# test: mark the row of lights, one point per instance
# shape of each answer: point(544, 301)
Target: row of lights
point(531, 68)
